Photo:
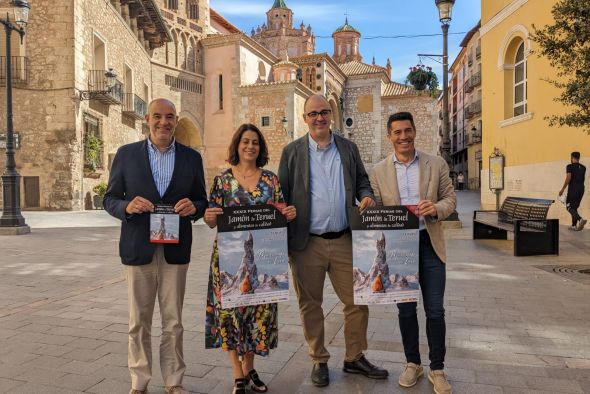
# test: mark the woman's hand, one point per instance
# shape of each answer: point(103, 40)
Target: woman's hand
point(210, 216)
point(290, 212)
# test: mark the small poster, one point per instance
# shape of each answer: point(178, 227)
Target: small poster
point(253, 256)
point(385, 247)
point(164, 225)
point(497, 172)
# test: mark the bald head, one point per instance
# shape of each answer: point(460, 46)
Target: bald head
point(315, 98)
point(162, 101)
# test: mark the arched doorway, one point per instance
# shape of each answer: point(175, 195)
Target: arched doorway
point(336, 114)
point(188, 134)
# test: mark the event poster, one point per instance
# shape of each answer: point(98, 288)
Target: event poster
point(385, 247)
point(164, 225)
point(253, 256)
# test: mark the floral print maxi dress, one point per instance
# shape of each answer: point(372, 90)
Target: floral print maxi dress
point(250, 328)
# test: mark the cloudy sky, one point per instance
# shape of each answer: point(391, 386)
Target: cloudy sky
point(381, 23)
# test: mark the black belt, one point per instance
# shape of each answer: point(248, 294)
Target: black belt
point(332, 235)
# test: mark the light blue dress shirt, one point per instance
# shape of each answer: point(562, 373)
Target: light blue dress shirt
point(162, 165)
point(328, 194)
point(408, 182)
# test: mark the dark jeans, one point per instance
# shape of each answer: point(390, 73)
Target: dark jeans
point(575, 215)
point(432, 283)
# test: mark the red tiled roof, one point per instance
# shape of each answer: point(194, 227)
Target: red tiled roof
point(397, 89)
point(358, 68)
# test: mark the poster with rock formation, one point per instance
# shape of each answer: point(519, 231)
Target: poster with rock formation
point(385, 246)
point(253, 258)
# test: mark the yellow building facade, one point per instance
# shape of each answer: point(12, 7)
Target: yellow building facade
point(516, 99)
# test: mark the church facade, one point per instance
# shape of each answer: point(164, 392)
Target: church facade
point(276, 68)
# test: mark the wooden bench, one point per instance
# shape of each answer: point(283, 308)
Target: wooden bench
point(534, 234)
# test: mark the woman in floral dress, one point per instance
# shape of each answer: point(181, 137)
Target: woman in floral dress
point(242, 331)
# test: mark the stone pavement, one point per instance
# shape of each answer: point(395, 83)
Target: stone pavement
point(511, 327)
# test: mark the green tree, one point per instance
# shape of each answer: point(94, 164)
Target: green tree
point(566, 44)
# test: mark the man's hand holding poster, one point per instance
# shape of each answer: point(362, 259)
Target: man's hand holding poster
point(385, 247)
point(253, 257)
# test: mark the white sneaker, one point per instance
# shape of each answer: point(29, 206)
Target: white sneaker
point(580, 225)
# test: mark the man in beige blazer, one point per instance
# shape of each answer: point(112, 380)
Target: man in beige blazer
point(409, 177)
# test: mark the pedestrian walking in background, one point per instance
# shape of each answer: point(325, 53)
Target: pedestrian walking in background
point(574, 182)
point(460, 180)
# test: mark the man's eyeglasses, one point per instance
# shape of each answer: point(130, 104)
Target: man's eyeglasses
point(324, 113)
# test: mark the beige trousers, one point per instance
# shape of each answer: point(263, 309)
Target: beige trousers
point(309, 268)
point(144, 282)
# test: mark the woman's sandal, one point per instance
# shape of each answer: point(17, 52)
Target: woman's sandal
point(239, 386)
point(257, 384)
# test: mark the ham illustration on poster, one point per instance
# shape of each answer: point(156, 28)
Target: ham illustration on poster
point(385, 247)
point(253, 256)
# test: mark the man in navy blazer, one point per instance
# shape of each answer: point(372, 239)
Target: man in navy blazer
point(157, 170)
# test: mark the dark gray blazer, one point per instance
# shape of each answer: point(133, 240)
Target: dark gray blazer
point(294, 178)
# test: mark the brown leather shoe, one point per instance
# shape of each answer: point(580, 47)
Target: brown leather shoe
point(410, 375)
point(439, 379)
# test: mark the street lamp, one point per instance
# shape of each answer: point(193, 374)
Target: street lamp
point(445, 8)
point(12, 221)
point(285, 123)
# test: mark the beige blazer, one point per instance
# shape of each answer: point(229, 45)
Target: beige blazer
point(435, 185)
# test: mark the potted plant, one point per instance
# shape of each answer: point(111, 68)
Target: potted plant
point(93, 152)
point(100, 191)
point(422, 77)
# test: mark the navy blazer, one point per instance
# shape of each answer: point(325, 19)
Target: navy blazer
point(131, 176)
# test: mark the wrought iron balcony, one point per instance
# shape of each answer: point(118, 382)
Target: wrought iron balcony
point(475, 107)
point(476, 79)
point(474, 137)
point(102, 88)
point(134, 106)
point(20, 70)
point(466, 113)
point(473, 81)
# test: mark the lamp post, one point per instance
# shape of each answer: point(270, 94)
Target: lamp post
point(12, 221)
point(285, 123)
point(444, 12)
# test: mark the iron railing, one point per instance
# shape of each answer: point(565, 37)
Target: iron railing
point(134, 106)
point(475, 107)
point(99, 90)
point(20, 70)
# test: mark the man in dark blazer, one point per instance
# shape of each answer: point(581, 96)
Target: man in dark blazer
point(157, 170)
point(322, 175)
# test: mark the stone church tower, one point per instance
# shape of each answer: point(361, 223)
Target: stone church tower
point(278, 35)
point(346, 44)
